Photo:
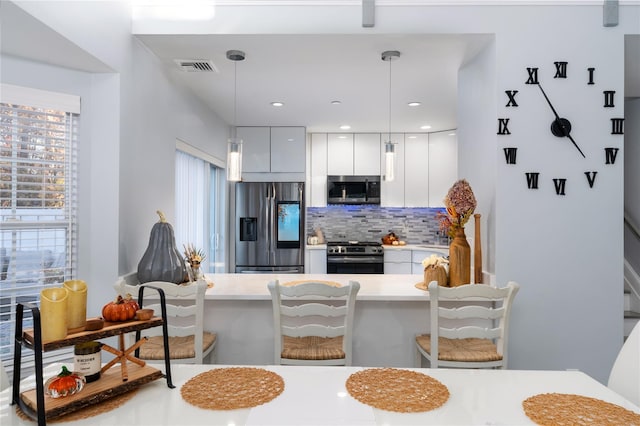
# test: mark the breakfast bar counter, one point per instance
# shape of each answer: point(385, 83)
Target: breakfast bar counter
point(373, 287)
point(389, 312)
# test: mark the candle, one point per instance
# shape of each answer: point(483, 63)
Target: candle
point(53, 313)
point(76, 303)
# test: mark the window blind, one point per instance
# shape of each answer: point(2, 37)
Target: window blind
point(38, 201)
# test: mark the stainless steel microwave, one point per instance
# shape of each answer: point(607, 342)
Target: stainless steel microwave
point(353, 189)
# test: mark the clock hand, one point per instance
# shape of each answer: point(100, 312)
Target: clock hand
point(574, 142)
point(549, 102)
point(563, 123)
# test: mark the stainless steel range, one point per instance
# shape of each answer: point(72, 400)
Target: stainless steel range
point(355, 257)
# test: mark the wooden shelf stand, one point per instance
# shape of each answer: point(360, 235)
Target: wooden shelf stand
point(112, 381)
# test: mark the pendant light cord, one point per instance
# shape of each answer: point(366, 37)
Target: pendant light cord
point(390, 60)
point(235, 98)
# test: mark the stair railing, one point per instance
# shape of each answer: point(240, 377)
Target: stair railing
point(631, 277)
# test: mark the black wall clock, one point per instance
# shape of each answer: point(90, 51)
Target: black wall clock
point(535, 89)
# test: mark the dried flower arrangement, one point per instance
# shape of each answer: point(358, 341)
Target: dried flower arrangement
point(460, 204)
point(193, 256)
point(434, 260)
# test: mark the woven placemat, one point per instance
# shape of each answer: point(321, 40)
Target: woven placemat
point(567, 409)
point(331, 283)
point(232, 388)
point(402, 391)
point(87, 412)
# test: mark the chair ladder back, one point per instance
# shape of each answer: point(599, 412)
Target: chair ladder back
point(478, 295)
point(310, 302)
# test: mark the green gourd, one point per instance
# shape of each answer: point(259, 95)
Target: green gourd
point(162, 261)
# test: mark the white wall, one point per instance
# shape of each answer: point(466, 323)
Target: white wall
point(476, 134)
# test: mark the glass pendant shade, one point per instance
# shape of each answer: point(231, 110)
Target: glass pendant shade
point(234, 160)
point(389, 162)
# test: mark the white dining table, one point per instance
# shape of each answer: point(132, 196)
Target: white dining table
point(318, 396)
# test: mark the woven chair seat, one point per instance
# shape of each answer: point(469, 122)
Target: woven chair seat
point(179, 347)
point(463, 350)
point(312, 348)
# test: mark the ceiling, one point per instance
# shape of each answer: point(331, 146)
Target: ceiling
point(305, 72)
point(308, 72)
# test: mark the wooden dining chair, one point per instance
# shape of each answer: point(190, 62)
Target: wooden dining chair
point(625, 374)
point(313, 322)
point(471, 328)
point(188, 342)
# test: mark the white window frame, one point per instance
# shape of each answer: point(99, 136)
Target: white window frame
point(27, 231)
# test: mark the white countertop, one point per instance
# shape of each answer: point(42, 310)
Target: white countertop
point(425, 247)
point(318, 396)
point(380, 287)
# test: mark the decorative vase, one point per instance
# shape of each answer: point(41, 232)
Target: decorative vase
point(196, 272)
point(477, 252)
point(459, 259)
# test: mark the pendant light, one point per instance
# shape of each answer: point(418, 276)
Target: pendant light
point(234, 145)
point(389, 147)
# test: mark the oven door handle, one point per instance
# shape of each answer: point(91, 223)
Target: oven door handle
point(354, 259)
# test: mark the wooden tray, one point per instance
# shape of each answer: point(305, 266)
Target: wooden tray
point(109, 385)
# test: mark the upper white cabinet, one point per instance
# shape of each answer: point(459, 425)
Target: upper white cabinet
point(443, 165)
point(256, 149)
point(366, 154)
point(273, 149)
point(317, 196)
point(353, 155)
point(392, 192)
point(425, 165)
point(340, 154)
point(288, 151)
point(416, 169)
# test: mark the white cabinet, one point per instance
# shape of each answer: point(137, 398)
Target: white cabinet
point(366, 154)
point(443, 166)
point(349, 154)
point(316, 261)
point(256, 149)
point(340, 154)
point(317, 195)
point(288, 149)
point(397, 261)
point(273, 149)
point(392, 192)
point(416, 169)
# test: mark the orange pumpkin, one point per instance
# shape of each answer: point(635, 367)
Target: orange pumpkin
point(64, 384)
point(121, 309)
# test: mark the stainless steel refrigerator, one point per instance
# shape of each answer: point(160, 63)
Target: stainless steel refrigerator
point(269, 222)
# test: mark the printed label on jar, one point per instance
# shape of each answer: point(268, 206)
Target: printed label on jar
point(87, 364)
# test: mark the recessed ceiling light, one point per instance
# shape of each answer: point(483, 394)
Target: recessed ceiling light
point(452, 134)
point(425, 127)
point(345, 127)
point(414, 104)
point(277, 104)
point(336, 102)
point(342, 137)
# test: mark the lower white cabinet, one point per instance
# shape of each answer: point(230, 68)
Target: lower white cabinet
point(316, 261)
point(397, 261)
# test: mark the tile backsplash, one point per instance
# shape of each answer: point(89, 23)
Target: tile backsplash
point(370, 223)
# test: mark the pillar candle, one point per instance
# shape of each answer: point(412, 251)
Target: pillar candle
point(53, 313)
point(76, 303)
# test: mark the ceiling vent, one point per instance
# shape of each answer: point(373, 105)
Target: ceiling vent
point(196, 65)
